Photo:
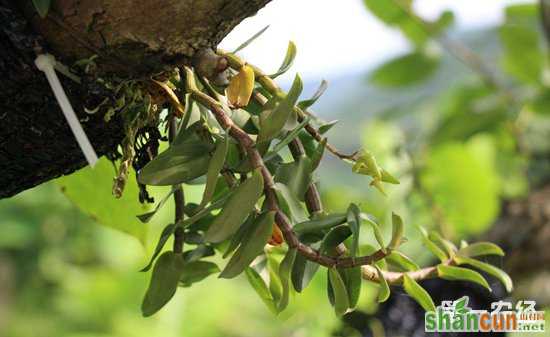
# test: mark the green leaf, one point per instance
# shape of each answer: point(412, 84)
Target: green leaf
point(353, 280)
point(288, 60)
point(320, 223)
point(309, 102)
point(284, 273)
point(252, 245)
point(214, 168)
point(42, 7)
point(401, 260)
point(296, 210)
point(296, 176)
point(250, 40)
point(354, 222)
point(164, 282)
point(90, 190)
point(419, 294)
point(303, 271)
point(180, 163)
point(447, 245)
point(205, 212)
point(405, 70)
point(285, 141)
point(237, 207)
point(480, 249)
point(275, 284)
point(198, 253)
point(327, 126)
point(237, 239)
point(523, 57)
point(461, 274)
point(274, 121)
point(164, 236)
point(341, 299)
point(376, 230)
point(397, 231)
point(261, 289)
point(432, 247)
point(334, 237)
point(489, 269)
point(317, 155)
point(197, 271)
point(384, 292)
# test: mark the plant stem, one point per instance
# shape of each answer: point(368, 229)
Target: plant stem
point(179, 197)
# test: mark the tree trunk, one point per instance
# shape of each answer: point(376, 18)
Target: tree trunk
point(132, 38)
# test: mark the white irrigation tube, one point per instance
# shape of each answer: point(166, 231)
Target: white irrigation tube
point(46, 63)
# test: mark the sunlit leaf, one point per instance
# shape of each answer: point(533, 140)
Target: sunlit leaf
point(480, 249)
point(397, 231)
point(489, 269)
point(419, 294)
point(401, 260)
point(261, 289)
point(250, 40)
point(432, 247)
point(461, 274)
point(90, 190)
point(285, 270)
point(288, 60)
point(237, 207)
point(523, 57)
point(286, 140)
point(354, 222)
point(341, 299)
point(309, 102)
point(376, 229)
point(384, 292)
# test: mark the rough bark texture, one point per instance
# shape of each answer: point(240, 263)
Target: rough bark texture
point(132, 38)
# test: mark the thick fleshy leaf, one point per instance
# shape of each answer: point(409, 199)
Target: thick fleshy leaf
point(336, 236)
point(461, 274)
point(309, 102)
point(238, 206)
point(198, 253)
point(164, 236)
point(397, 231)
point(251, 246)
point(285, 270)
point(432, 247)
point(237, 239)
point(402, 261)
point(275, 119)
point(258, 284)
point(288, 60)
point(353, 281)
point(354, 222)
point(341, 299)
point(303, 271)
point(250, 40)
point(240, 87)
point(320, 223)
point(327, 126)
point(164, 282)
point(214, 168)
point(197, 271)
point(489, 269)
point(296, 176)
point(275, 283)
point(405, 70)
point(419, 294)
point(42, 7)
point(384, 292)
point(296, 210)
point(480, 249)
point(376, 230)
point(180, 163)
point(447, 245)
point(317, 155)
point(286, 140)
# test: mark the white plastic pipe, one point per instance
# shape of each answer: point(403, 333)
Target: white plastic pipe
point(46, 63)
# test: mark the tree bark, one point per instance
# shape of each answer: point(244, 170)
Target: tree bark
point(132, 38)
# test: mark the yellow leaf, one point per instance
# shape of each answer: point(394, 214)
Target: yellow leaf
point(241, 86)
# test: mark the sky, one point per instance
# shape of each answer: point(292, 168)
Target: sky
point(340, 36)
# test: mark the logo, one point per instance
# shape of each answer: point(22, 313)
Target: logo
point(456, 316)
